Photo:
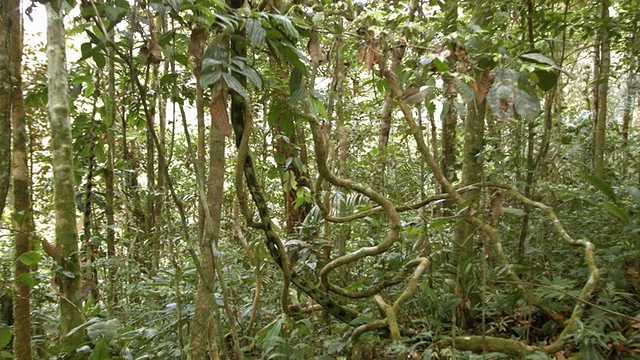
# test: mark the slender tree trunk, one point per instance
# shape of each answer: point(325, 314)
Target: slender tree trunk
point(602, 83)
point(344, 233)
point(627, 116)
point(449, 115)
point(112, 296)
point(150, 199)
point(472, 168)
point(202, 336)
point(21, 196)
point(68, 278)
point(5, 101)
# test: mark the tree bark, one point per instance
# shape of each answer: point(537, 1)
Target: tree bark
point(627, 116)
point(449, 115)
point(5, 103)
point(602, 83)
point(202, 336)
point(68, 277)
point(21, 186)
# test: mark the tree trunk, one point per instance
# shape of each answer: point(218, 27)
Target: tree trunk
point(627, 116)
point(110, 109)
point(5, 102)
point(68, 277)
point(202, 336)
point(21, 196)
point(602, 83)
point(472, 168)
point(449, 115)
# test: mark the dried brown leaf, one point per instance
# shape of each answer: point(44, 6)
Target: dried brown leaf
point(485, 85)
point(219, 113)
point(155, 53)
point(197, 43)
point(315, 50)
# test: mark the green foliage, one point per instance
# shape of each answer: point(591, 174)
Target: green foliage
point(145, 294)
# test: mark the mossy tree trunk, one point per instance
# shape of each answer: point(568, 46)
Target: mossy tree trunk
point(472, 165)
point(5, 103)
point(202, 336)
point(68, 274)
point(21, 197)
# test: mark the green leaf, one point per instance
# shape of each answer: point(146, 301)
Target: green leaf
point(318, 108)
point(270, 331)
point(235, 85)
point(175, 4)
point(297, 95)
point(94, 38)
point(294, 56)
point(539, 59)
point(603, 186)
point(546, 79)
point(288, 27)
point(441, 65)
point(253, 76)
point(634, 192)
point(5, 336)
point(101, 351)
point(30, 258)
point(68, 274)
point(256, 33)
point(208, 63)
point(99, 59)
point(209, 78)
point(616, 211)
point(286, 123)
point(465, 91)
point(361, 320)
point(168, 79)
point(295, 80)
point(28, 279)
point(114, 13)
point(527, 105)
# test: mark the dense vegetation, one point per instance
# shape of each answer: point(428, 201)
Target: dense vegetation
point(331, 180)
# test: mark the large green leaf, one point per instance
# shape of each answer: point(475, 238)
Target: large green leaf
point(539, 59)
point(5, 336)
point(28, 279)
point(527, 105)
point(255, 32)
point(235, 85)
point(30, 258)
point(101, 351)
point(602, 185)
point(287, 26)
point(209, 78)
point(616, 211)
point(634, 192)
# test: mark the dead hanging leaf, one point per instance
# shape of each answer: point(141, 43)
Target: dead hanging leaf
point(461, 55)
point(85, 289)
point(197, 43)
point(362, 52)
point(218, 109)
point(372, 52)
point(155, 53)
point(144, 53)
point(473, 86)
point(52, 251)
point(496, 204)
point(504, 105)
point(315, 50)
point(485, 85)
